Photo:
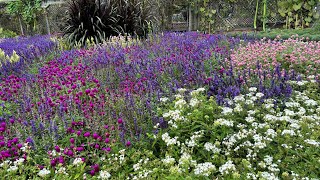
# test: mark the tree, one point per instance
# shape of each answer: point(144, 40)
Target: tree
point(27, 10)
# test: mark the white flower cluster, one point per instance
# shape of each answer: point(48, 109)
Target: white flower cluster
point(259, 95)
point(226, 110)
point(77, 162)
point(18, 161)
point(204, 169)
point(168, 140)
point(121, 156)
point(164, 99)
point(142, 175)
point(250, 119)
point(312, 142)
point(299, 83)
point(194, 138)
point(12, 168)
point(211, 147)
point(272, 133)
point(175, 116)
point(227, 168)
point(182, 90)
point(197, 91)
point(269, 176)
point(185, 159)
point(180, 103)
point(253, 89)
point(5, 163)
point(239, 98)
point(168, 161)
point(256, 127)
point(44, 172)
point(104, 175)
point(311, 102)
point(289, 132)
point(223, 122)
point(61, 170)
point(194, 102)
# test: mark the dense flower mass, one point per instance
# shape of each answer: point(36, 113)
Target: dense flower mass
point(180, 105)
point(18, 53)
point(292, 54)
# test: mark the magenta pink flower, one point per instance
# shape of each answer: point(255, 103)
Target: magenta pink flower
point(120, 121)
point(57, 148)
point(86, 134)
point(95, 135)
point(80, 149)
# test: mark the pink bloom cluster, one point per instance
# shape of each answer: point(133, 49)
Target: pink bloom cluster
point(293, 53)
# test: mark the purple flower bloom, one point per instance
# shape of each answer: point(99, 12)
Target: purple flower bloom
point(86, 134)
point(53, 162)
point(57, 148)
point(79, 149)
point(61, 160)
point(95, 136)
point(120, 121)
point(70, 153)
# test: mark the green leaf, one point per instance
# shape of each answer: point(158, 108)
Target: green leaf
point(308, 19)
point(297, 7)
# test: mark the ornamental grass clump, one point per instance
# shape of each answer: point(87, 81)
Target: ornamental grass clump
point(95, 21)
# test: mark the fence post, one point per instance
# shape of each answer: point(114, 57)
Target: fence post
point(190, 19)
point(47, 21)
point(21, 27)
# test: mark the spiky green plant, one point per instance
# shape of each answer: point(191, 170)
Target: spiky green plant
point(95, 20)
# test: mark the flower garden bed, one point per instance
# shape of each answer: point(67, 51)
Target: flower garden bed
point(175, 106)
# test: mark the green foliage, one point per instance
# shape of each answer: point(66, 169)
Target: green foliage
point(29, 10)
point(94, 21)
point(298, 13)
point(6, 108)
point(4, 33)
point(207, 14)
point(312, 34)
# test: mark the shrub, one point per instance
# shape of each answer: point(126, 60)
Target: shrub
point(90, 20)
point(6, 33)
